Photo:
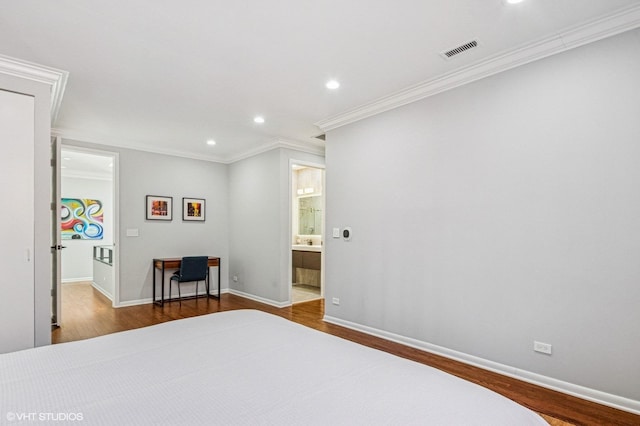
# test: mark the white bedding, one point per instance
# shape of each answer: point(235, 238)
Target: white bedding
point(240, 367)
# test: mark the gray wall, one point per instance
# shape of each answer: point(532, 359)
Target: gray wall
point(259, 209)
point(499, 213)
point(144, 173)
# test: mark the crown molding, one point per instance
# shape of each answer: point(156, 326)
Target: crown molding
point(609, 25)
point(129, 144)
point(311, 147)
point(55, 78)
point(85, 175)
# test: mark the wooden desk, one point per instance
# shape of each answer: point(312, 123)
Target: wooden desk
point(174, 263)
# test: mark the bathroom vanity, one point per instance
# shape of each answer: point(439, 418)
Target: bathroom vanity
point(306, 261)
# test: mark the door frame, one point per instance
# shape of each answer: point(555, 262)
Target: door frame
point(116, 210)
point(322, 167)
point(56, 236)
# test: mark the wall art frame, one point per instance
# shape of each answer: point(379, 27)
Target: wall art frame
point(193, 209)
point(159, 207)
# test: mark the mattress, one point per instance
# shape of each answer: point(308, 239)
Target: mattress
point(237, 368)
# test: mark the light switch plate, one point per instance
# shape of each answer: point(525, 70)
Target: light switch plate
point(336, 232)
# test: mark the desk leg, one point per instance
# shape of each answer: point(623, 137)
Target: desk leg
point(162, 289)
point(219, 266)
point(207, 281)
point(153, 271)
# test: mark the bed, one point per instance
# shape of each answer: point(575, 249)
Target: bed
point(241, 367)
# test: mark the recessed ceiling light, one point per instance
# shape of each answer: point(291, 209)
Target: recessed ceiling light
point(211, 142)
point(259, 119)
point(66, 158)
point(514, 1)
point(332, 84)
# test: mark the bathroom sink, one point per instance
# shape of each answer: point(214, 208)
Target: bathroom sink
point(306, 247)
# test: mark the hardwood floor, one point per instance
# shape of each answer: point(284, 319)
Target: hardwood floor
point(87, 313)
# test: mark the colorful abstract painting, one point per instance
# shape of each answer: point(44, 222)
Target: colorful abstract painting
point(81, 219)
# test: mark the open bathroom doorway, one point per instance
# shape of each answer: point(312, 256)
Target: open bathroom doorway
point(307, 232)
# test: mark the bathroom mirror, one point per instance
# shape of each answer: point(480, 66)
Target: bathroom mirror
point(310, 215)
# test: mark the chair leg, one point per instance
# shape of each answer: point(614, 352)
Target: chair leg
point(179, 295)
point(197, 282)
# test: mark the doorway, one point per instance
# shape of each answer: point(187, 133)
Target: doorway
point(307, 230)
point(88, 225)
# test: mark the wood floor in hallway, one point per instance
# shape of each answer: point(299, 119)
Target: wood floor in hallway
point(87, 313)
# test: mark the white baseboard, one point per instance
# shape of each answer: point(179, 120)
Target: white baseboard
point(133, 303)
point(259, 299)
point(101, 290)
point(76, 280)
point(150, 300)
point(588, 394)
point(215, 293)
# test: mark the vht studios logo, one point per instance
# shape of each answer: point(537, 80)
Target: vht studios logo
point(45, 417)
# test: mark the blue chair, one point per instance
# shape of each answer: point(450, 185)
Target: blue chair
point(192, 268)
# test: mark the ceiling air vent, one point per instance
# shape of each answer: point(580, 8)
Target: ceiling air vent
point(447, 54)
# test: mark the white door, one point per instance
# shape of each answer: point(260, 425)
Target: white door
point(17, 221)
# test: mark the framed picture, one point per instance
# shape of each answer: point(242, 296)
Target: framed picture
point(193, 209)
point(159, 208)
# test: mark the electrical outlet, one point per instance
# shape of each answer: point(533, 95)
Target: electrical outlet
point(335, 301)
point(544, 348)
point(235, 278)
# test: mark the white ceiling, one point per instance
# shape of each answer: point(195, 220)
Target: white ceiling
point(79, 164)
point(166, 76)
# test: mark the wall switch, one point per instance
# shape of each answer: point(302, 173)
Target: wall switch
point(544, 348)
point(335, 301)
point(235, 278)
point(336, 233)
